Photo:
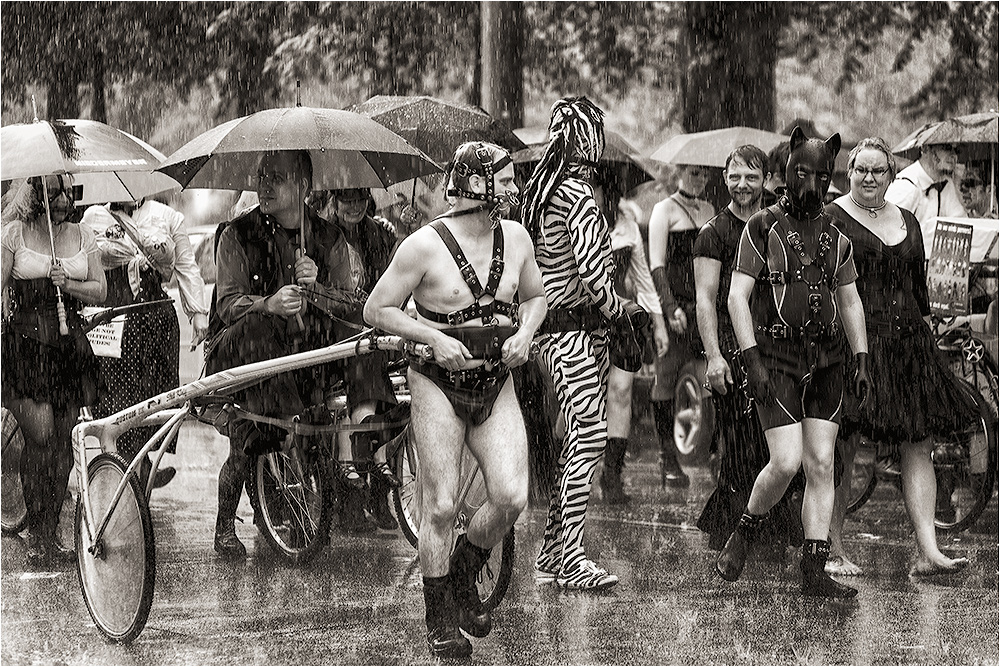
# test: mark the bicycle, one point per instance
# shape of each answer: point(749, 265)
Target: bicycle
point(115, 545)
point(966, 462)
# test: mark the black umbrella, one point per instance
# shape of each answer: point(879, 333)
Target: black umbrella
point(620, 163)
point(435, 126)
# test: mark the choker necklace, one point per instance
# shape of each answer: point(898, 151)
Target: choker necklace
point(872, 210)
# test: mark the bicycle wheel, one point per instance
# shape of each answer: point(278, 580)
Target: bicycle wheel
point(118, 572)
point(295, 511)
point(694, 415)
point(965, 465)
point(494, 578)
point(863, 480)
point(13, 511)
point(406, 500)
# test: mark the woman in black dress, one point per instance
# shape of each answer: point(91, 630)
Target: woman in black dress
point(915, 396)
point(47, 376)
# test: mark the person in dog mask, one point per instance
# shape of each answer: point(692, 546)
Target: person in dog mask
point(799, 271)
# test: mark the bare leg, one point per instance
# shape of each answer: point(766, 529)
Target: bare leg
point(439, 436)
point(819, 440)
point(919, 492)
point(838, 562)
point(500, 446)
point(619, 403)
point(785, 446)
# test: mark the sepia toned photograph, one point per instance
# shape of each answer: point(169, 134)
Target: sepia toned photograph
point(499, 333)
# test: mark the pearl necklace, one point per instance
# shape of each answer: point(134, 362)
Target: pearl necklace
point(872, 210)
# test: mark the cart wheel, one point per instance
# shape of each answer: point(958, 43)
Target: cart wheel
point(694, 415)
point(494, 578)
point(405, 498)
point(292, 491)
point(13, 512)
point(863, 480)
point(117, 573)
point(966, 466)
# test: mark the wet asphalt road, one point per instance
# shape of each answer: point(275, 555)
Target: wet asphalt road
point(360, 600)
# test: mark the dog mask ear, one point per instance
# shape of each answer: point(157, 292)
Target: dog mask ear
point(799, 137)
point(833, 144)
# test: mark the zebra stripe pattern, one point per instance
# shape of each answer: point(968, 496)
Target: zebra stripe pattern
point(577, 362)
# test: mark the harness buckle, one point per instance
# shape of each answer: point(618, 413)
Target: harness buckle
point(778, 330)
point(815, 303)
point(456, 317)
point(777, 278)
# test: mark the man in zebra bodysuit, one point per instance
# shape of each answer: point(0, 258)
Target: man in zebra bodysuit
point(573, 250)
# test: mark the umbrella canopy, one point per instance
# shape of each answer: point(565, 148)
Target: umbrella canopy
point(978, 129)
point(437, 127)
point(620, 161)
point(125, 186)
point(347, 151)
point(711, 148)
point(33, 149)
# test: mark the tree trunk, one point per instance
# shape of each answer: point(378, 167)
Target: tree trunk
point(63, 99)
point(502, 68)
point(99, 106)
point(732, 50)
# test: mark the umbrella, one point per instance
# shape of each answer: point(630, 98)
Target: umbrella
point(437, 127)
point(620, 161)
point(711, 148)
point(32, 149)
point(979, 129)
point(125, 186)
point(73, 146)
point(347, 151)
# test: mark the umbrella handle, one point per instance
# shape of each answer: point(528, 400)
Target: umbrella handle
point(61, 312)
point(60, 307)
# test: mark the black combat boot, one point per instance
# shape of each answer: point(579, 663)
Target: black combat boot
point(815, 581)
point(611, 479)
point(444, 639)
point(378, 501)
point(734, 555)
point(466, 562)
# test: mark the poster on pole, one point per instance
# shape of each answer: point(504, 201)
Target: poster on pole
point(948, 269)
point(106, 339)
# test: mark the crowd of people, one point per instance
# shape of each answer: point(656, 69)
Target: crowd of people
point(810, 315)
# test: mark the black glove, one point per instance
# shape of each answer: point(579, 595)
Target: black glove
point(862, 380)
point(628, 337)
point(758, 377)
point(636, 315)
point(662, 284)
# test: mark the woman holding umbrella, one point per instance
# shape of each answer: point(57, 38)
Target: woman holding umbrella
point(47, 262)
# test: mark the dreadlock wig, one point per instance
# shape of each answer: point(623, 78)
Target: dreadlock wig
point(576, 143)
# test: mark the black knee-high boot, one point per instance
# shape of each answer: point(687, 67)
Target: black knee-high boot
point(611, 478)
point(444, 639)
point(733, 556)
point(815, 580)
point(671, 473)
point(467, 560)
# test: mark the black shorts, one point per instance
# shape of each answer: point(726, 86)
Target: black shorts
point(798, 394)
point(473, 396)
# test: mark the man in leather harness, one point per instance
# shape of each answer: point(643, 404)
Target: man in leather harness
point(800, 271)
point(465, 397)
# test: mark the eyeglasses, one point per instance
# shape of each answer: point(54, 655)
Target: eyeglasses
point(273, 178)
point(878, 172)
point(72, 192)
point(353, 201)
point(971, 183)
